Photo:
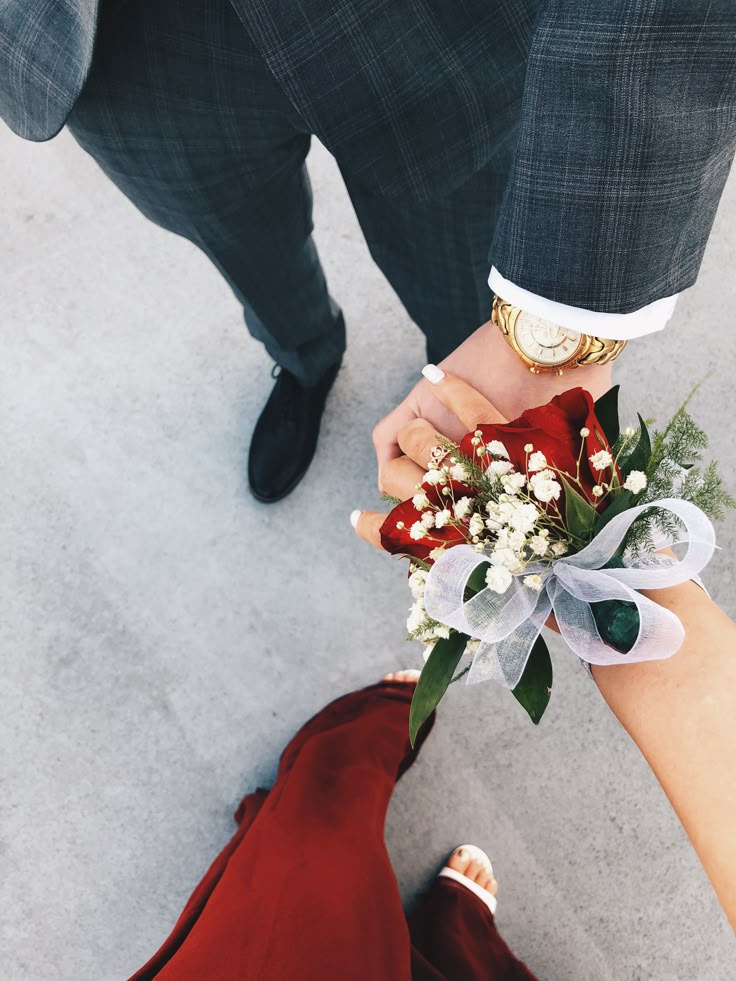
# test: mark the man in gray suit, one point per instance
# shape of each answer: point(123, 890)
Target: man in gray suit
point(577, 149)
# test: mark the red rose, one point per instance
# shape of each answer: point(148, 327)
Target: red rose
point(396, 529)
point(555, 430)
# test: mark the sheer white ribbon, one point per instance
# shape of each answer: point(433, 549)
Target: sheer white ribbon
point(508, 624)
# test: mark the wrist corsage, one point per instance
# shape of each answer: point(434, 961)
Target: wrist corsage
point(559, 513)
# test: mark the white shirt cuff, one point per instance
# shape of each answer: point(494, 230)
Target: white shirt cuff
point(616, 326)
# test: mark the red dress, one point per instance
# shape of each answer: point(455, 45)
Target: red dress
point(304, 891)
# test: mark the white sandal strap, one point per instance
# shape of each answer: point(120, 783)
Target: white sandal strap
point(482, 894)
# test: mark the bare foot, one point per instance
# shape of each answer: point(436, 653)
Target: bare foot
point(474, 865)
point(407, 677)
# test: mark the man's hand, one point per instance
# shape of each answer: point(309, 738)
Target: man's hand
point(487, 362)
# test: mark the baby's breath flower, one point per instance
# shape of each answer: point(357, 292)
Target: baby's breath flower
point(517, 540)
point(629, 432)
point(463, 507)
point(417, 582)
point(477, 525)
point(584, 432)
point(544, 486)
point(597, 491)
point(507, 558)
point(417, 531)
point(459, 473)
point(497, 448)
point(442, 517)
point(635, 482)
point(420, 501)
point(478, 432)
point(428, 519)
point(435, 477)
point(498, 578)
point(475, 440)
point(400, 525)
point(601, 460)
point(520, 515)
point(539, 544)
point(417, 615)
point(537, 461)
point(559, 548)
point(534, 582)
point(436, 552)
point(495, 519)
point(497, 468)
point(447, 491)
point(513, 482)
point(528, 448)
point(479, 547)
point(438, 632)
point(481, 451)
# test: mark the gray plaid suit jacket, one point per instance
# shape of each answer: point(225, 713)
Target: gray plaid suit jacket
point(621, 116)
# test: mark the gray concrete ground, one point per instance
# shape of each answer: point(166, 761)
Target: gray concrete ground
point(163, 634)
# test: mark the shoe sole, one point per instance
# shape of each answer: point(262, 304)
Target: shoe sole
point(285, 493)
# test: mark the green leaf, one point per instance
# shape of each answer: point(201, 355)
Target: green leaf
point(617, 622)
point(620, 502)
point(606, 412)
point(535, 685)
point(580, 514)
point(476, 580)
point(639, 457)
point(434, 679)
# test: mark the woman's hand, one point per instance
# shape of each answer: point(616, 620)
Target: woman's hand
point(494, 370)
point(417, 438)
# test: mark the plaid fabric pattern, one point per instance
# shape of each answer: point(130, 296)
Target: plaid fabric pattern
point(620, 116)
point(411, 96)
point(628, 130)
point(206, 144)
point(45, 54)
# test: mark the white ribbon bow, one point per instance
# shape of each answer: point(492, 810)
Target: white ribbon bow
point(508, 624)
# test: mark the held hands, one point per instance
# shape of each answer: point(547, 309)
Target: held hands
point(464, 408)
point(494, 374)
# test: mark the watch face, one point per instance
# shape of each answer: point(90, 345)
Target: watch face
point(543, 342)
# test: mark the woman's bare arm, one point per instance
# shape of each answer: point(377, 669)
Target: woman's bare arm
point(681, 713)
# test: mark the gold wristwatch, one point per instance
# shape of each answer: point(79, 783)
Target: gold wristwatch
point(547, 347)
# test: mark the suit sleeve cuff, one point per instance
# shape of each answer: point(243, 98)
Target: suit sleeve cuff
point(616, 326)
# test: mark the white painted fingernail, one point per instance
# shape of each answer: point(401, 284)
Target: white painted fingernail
point(432, 373)
point(355, 518)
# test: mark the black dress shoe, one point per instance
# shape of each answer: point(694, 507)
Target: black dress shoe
point(285, 436)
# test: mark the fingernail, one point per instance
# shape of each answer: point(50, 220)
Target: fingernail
point(355, 518)
point(432, 373)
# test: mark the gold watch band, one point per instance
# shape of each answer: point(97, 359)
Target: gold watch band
point(592, 350)
point(600, 350)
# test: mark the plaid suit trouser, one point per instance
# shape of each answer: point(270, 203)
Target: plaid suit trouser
point(185, 117)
